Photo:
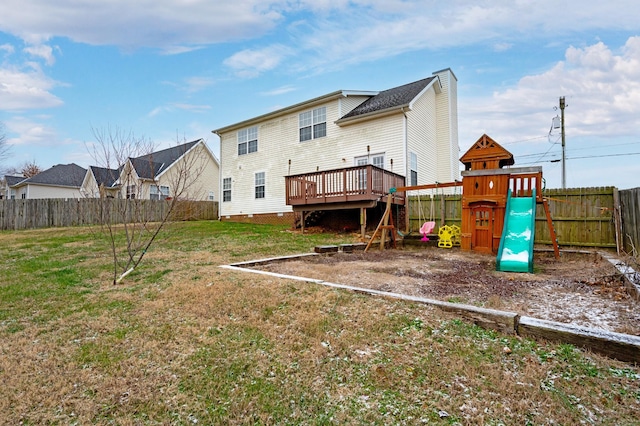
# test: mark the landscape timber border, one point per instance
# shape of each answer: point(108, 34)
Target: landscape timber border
point(623, 347)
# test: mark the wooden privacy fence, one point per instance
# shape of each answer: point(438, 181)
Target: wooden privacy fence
point(582, 217)
point(630, 212)
point(56, 212)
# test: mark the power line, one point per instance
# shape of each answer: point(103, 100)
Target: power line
point(555, 160)
point(581, 149)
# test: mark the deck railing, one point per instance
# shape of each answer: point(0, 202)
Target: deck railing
point(358, 183)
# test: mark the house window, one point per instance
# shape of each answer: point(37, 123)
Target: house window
point(12, 194)
point(226, 189)
point(131, 192)
point(260, 185)
point(158, 192)
point(248, 140)
point(24, 195)
point(313, 124)
point(413, 169)
point(212, 196)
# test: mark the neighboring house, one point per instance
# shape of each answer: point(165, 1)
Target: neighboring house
point(100, 182)
point(10, 181)
point(190, 168)
point(339, 145)
point(60, 181)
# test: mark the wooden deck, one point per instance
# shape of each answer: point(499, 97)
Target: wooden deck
point(351, 187)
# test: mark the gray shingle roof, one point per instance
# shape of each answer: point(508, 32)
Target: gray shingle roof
point(104, 176)
point(60, 175)
point(12, 180)
point(151, 165)
point(391, 98)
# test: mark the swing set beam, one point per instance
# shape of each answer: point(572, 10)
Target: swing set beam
point(427, 186)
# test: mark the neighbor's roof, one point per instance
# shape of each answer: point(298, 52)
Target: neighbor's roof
point(12, 180)
point(104, 176)
point(151, 165)
point(396, 97)
point(58, 175)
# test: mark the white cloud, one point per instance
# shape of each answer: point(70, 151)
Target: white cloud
point(7, 48)
point(27, 131)
point(602, 91)
point(279, 91)
point(250, 63)
point(42, 51)
point(178, 106)
point(170, 24)
point(30, 89)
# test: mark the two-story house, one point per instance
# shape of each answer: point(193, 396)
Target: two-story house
point(189, 170)
point(341, 151)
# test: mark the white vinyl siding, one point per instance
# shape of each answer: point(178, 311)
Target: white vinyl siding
point(422, 139)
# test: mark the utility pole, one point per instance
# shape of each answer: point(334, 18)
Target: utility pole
point(564, 170)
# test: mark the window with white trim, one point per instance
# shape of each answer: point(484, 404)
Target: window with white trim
point(413, 169)
point(248, 140)
point(131, 191)
point(313, 124)
point(226, 189)
point(212, 196)
point(260, 181)
point(158, 192)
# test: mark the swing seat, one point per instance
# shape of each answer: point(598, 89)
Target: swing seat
point(426, 228)
point(444, 235)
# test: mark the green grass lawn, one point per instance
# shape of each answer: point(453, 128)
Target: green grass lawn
point(182, 341)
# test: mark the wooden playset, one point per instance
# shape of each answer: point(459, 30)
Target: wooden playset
point(486, 188)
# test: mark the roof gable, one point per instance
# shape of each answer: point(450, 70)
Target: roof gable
point(486, 153)
point(12, 180)
point(150, 166)
point(104, 176)
point(59, 175)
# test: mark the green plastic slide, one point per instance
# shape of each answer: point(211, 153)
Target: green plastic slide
point(515, 253)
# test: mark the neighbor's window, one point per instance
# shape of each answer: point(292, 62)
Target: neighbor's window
point(158, 192)
point(131, 192)
point(212, 196)
point(248, 140)
point(313, 124)
point(226, 189)
point(260, 185)
point(413, 166)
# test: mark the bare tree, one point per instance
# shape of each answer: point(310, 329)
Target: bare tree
point(5, 148)
point(127, 216)
point(27, 169)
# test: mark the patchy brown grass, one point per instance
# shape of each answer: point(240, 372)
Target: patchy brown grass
point(183, 341)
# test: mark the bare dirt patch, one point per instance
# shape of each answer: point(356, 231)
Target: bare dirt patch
point(581, 289)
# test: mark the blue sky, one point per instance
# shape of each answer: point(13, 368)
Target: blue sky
point(171, 70)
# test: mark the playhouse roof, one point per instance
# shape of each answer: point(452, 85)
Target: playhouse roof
point(486, 149)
